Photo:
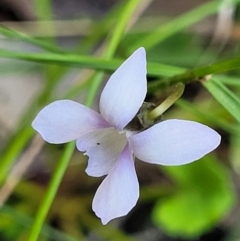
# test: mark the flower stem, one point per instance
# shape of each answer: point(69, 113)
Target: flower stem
point(63, 162)
point(112, 45)
point(177, 92)
point(51, 191)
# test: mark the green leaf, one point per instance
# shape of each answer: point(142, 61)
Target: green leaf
point(204, 196)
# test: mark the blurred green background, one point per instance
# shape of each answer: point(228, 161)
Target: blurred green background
point(56, 49)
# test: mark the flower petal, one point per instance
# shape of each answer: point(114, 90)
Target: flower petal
point(65, 120)
point(103, 146)
point(125, 91)
point(119, 191)
point(174, 142)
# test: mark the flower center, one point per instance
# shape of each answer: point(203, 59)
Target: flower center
point(149, 115)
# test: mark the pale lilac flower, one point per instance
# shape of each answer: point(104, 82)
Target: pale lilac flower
point(112, 147)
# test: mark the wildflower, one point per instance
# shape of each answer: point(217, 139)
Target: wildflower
point(112, 144)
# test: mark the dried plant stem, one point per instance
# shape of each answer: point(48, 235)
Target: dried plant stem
point(20, 168)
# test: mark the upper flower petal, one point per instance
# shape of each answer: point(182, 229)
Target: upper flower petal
point(65, 120)
point(125, 91)
point(119, 191)
point(103, 146)
point(174, 142)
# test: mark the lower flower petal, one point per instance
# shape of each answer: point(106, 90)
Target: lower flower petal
point(65, 120)
point(103, 146)
point(119, 191)
point(174, 142)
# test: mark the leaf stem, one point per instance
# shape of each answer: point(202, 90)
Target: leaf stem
point(159, 110)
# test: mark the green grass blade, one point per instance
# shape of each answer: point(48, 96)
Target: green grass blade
point(177, 24)
point(154, 69)
point(16, 35)
point(120, 28)
point(8, 157)
point(224, 96)
point(229, 80)
point(44, 12)
point(208, 117)
point(43, 9)
point(198, 73)
point(100, 29)
point(115, 38)
point(24, 131)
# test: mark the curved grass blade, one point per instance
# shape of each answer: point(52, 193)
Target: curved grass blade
point(224, 96)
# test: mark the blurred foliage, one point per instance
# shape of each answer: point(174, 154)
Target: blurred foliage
point(196, 198)
point(204, 194)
